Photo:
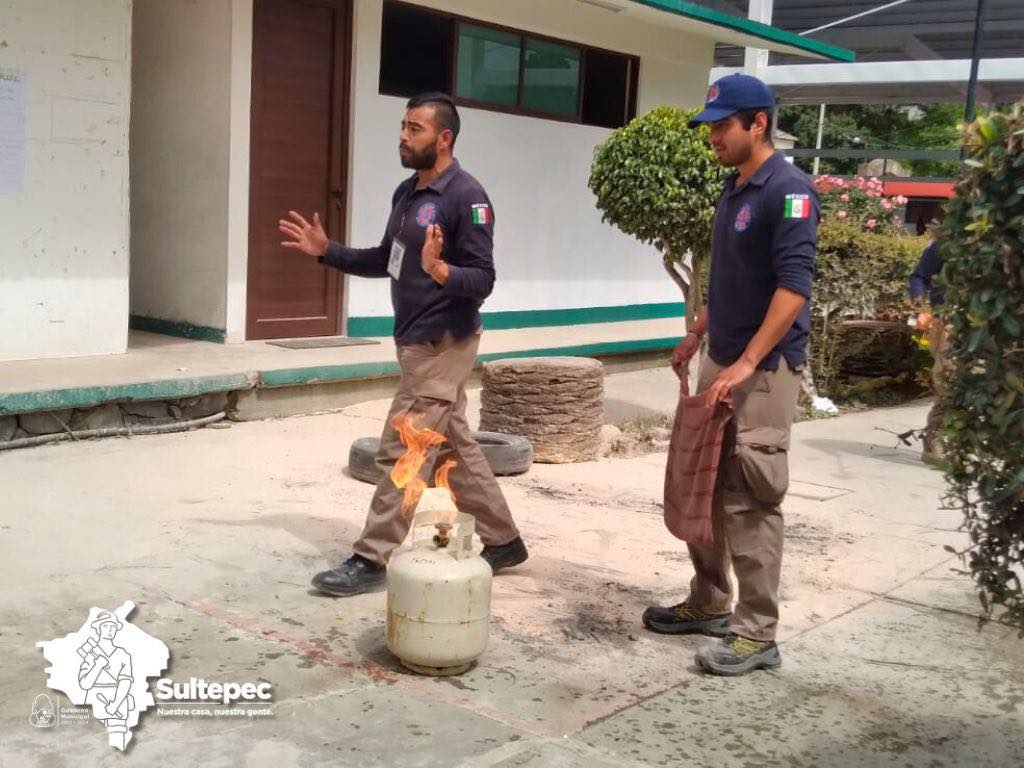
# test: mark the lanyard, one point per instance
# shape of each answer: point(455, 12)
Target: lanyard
point(405, 213)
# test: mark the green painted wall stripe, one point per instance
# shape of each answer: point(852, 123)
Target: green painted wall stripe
point(176, 328)
point(328, 373)
point(590, 350)
point(371, 326)
point(763, 31)
point(538, 318)
point(286, 377)
point(85, 397)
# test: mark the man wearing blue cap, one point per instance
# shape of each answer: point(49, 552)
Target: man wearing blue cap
point(757, 322)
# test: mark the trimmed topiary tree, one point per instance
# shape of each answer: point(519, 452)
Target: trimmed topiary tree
point(982, 244)
point(659, 181)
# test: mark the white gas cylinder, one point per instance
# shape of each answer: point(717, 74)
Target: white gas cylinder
point(439, 592)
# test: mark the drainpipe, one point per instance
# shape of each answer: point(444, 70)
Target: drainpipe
point(85, 434)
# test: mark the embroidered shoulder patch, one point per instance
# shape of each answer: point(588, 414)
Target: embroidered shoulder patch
point(481, 213)
point(797, 207)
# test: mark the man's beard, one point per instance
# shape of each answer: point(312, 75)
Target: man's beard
point(420, 161)
point(737, 156)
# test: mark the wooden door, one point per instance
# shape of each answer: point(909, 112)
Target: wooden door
point(301, 54)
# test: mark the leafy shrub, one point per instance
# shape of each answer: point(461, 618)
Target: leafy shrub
point(659, 181)
point(982, 245)
point(860, 275)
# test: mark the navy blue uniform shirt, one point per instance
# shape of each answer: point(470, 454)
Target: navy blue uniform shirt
point(765, 237)
point(922, 279)
point(424, 309)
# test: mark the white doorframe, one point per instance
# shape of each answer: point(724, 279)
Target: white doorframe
point(238, 169)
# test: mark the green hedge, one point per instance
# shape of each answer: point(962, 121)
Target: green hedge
point(859, 275)
point(982, 242)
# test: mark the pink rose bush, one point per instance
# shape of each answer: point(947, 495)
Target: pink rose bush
point(861, 202)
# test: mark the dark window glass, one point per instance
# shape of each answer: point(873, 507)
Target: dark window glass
point(425, 50)
point(606, 81)
point(416, 51)
point(488, 65)
point(551, 78)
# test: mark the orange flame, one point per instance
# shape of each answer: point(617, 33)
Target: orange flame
point(441, 476)
point(406, 472)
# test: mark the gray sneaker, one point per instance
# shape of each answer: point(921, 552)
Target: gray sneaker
point(736, 655)
point(683, 620)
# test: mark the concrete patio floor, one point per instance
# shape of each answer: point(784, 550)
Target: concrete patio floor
point(214, 534)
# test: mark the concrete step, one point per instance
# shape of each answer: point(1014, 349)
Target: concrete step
point(324, 396)
point(263, 381)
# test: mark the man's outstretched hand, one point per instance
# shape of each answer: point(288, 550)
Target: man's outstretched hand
point(305, 237)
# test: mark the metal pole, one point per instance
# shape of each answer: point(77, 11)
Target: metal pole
point(817, 143)
point(972, 83)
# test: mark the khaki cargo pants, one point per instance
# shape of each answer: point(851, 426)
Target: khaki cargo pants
point(433, 384)
point(938, 339)
point(753, 478)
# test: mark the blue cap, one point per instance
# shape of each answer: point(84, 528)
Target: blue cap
point(731, 94)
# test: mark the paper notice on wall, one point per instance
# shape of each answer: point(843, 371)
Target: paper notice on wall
point(13, 105)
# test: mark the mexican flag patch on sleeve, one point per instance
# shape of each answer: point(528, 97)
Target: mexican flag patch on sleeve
point(798, 207)
point(482, 213)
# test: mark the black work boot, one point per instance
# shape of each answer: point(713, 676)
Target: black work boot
point(353, 577)
point(683, 620)
point(506, 556)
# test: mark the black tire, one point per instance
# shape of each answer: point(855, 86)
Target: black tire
point(361, 463)
point(506, 455)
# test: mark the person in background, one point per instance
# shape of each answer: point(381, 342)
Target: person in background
point(927, 294)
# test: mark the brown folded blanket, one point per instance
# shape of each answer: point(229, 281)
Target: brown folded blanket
point(693, 455)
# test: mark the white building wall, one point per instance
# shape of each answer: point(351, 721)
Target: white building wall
point(64, 237)
point(551, 249)
point(181, 150)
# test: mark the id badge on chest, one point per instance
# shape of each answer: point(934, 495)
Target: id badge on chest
point(396, 258)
